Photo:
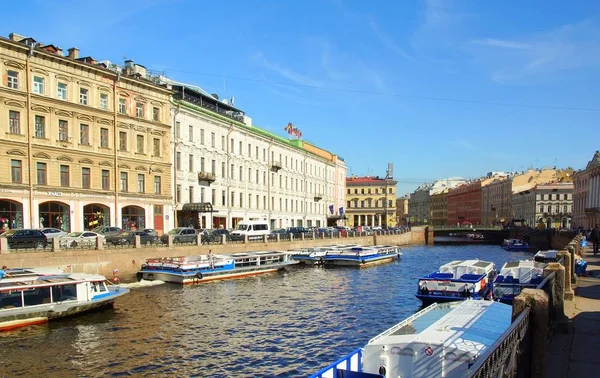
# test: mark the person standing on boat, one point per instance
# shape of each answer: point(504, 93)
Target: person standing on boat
point(595, 238)
point(3, 272)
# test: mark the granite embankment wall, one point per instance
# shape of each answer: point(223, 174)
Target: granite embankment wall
point(128, 260)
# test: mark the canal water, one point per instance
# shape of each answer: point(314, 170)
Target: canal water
point(282, 325)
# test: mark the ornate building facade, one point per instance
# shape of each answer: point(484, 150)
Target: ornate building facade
point(545, 205)
point(586, 194)
point(85, 142)
point(371, 201)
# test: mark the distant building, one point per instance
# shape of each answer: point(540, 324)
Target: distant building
point(586, 194)
point(402, 210)
point(371, 201)
point(419, 208)
point(438, 206)
point(464, 204)
point(496, 202)
point(545, 205)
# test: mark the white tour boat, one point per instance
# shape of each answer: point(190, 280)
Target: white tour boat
point(515, 276)
point(361, 256)
point(205, 268)
point(457, 281)
point(29, 299)
point(314, 255)
point(443, 340)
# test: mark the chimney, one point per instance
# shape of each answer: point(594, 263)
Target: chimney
point(16, 37)
point(73, 53)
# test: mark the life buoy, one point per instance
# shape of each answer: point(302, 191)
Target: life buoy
point(199, 275)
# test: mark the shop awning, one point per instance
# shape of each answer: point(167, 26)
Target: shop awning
point(201, 207)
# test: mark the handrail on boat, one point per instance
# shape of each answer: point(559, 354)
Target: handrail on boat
point(405, 322)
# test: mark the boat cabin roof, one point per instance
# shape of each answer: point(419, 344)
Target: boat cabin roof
point(469, 326)
point(523, 269)
point(64, 278)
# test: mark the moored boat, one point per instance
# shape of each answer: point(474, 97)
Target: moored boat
point(35, 299)
point(546, 256)
point(442, 340)
point(205, 268)
point(515, 276)
point(314, 255)
point(456, 281)
point(361, 256)
point(515, 245)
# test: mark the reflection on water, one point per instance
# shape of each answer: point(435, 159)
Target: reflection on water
point(281, 325)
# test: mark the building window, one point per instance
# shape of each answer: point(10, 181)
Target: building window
point(103, 101)
point(84, 134)
point(256, 152)
point(61, 91)
point(191, 194)
point(40, 127)
point(231, 172)
point(156, 114)
point(549, 209)
point(103, 137)
point(177, 129)
point(178, 194)
point(249, 150)
point(83, 96)
point(42, 174)
point(157, 185)
point(191, 163)
point(202, 167)
point(212, 140)
point(241, 199)
point(14, 121)
point(250, 175)
point(202, 194)
point(178, 161)
point(223, 142)
point(63, 130)
point(213, 166)
point(122, 106)
point(16, 171)
point(241, 178)
point(139, 110)
point(202, 136)
point(140, 144)
point(141, 187)
point(241, 144)
point(223, 173)
point(38, 85)
point(124, 181)
point(85, 177)
point(105, 179)
point(213, 199)
point(156, 147)
point(541, 208)
point(122, 141)
point(64, 175)
point(232, 204)
point(223, 195)
point(13, 79)
point(191, 133)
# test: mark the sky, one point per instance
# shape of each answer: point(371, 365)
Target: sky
point(439, 88)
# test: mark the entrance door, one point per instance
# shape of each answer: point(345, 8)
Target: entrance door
point(158, 219)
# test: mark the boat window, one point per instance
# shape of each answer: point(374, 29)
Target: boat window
point(10, 300)
point(64, 293)
point(37, 296)
point(102, 286)
point(94, 286)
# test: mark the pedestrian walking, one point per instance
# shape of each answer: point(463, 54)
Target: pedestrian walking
point(595, 238)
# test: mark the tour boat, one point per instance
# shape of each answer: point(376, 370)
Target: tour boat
point(205, 268)
point(515, 276)
point(515, 245)
point(457, 281)
point(442, 340)
point(361, 256)
point(314, 255)
point(35, 299)
point(546, 256)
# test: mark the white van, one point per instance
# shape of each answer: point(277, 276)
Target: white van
point(255, 229)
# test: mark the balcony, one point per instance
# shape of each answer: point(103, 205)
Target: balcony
point(206, 177)
point(276, 166)
point(318, 197)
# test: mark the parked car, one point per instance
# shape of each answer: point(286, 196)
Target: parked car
point(151, 231)
point(129, 237)
point(108, 232)
point(216, 236)
point(52, 233)
point(181, 235)
point(25, 238)
point(298, 231)
point(77, 239)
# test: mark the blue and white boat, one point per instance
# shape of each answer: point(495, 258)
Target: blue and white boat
point(361, 256)
point(516, 276)
point(546, 256)
point(314, 255)
point(206, 268)
point(28, 299)
point(456, 281)
point(442, 340)
point(515, 245)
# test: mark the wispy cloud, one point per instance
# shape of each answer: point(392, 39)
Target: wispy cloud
point(286, 72)
point(386, 40)
point(533, 58)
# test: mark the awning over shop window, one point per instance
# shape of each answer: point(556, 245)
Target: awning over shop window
point(201, 207)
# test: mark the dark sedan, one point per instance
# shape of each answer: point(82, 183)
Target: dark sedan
point(25, 239)
point(128, 238)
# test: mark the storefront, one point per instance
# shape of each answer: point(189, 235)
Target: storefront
point(95, 215)
point(11, 214)
point(133, 218)
point(55, 214)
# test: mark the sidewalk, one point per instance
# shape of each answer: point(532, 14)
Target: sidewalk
point(577, 354)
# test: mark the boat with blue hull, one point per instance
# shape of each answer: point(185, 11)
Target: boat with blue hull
point(361, 256)
point(516, 276)
point(442, 340)
point(456, 281)
point(314, 255)
point(35, 299)
point(515, 245)
point(206, 268)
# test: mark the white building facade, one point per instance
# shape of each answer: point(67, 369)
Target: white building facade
point(226, 170)
point(548, 204)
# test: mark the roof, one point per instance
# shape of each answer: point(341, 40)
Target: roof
point(370, 180)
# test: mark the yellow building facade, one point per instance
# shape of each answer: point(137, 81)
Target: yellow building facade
point(438, 208)
point(371, 201)
point(84, 144)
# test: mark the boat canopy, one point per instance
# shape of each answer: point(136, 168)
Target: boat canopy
point(523, 271)
point(458, 268)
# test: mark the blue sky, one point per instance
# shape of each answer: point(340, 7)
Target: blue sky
point(416, 83)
